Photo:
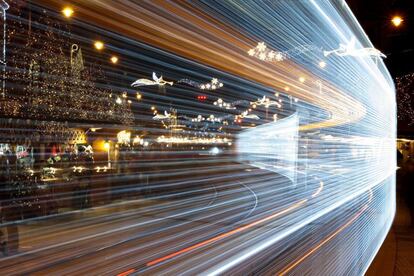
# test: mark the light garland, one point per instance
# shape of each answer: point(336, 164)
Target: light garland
point(192, 140)
point(212, 85)
point(263, 53)
point(222, 104)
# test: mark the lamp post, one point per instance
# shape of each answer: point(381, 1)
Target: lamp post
point(3, 7)
point(107, 146)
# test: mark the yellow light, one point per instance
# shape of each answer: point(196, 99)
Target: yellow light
point(98, 45)
point(67, 12)
point(124, 137)
point(302, 79)
point(152, 107)
point(322, 64)
point(106, 145)
point(114, 59)
point(139, 96)
point(287, 88)
point(397, 20)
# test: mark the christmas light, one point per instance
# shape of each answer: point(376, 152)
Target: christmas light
point(114, 59)
point(155, 81)
point(397, 20)
point(276, 202)
point(106, 145)
point(322, 64)
point(67, 12)
point(99, 45)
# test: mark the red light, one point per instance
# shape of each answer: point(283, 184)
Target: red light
point(201, 97)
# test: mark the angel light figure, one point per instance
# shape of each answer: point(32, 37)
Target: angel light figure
point(162, 117)
point(350, 50)
point(155, 81)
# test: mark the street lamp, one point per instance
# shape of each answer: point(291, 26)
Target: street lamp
point(114, 59)
point(98, 45)
point(107, 146)
point(397, 20)
point(67, 12)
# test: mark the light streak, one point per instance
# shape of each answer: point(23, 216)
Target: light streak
point(227, 234)
point(327, 239)
point(201, 183)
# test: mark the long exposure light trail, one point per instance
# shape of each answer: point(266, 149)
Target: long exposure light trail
point(326, 240)
point(232, 58)
point(200, 138)
point(227, 234)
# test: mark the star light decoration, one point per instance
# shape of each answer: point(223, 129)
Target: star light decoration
point(222, 104)
point(213, 85)
point(210, 118)
point(263, 53)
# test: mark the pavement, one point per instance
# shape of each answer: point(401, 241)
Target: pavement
point(396, 255)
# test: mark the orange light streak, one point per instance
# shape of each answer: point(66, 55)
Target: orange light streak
point(126, 273)
point(225, 235)
point(211, 42)
point(293, 265)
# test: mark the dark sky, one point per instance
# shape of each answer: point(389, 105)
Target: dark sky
point(397, 43)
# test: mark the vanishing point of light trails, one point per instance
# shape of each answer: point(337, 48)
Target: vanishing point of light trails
point(185, 138)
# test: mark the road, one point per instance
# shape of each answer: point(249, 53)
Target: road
point(237, 209)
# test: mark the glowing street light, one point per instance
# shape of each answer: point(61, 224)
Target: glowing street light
point(107, 147)
point(322, 64)
point(114, 59)
point(397, 20)
point(98, 45)
point(67, 12)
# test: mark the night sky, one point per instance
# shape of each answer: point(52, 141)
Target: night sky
point(397, 43)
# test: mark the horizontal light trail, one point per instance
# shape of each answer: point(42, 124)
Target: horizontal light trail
point(326, 240)
point(261, 173)
point(227, 234)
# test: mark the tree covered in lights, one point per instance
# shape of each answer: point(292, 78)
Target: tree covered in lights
point(405, 98)
point(46, 78)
